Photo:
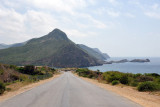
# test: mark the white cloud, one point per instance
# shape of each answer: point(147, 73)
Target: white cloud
point(113, 2)
point(113, 13)
point(91, 21)
point(92, 2)
point(155, 6)
point(16, 27)
point(77, 33)
point(11, 20)
point(149, 10)
point(130, 15)
point(39, 22)
point(153, 15)
point(68, 6)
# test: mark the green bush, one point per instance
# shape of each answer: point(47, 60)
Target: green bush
point(115, 75)
point(1, 72)
point(115, 82)
point(152, 74)
point(85, 72)
point(29, 69)
point(124, 79)
point(143, 78)
point(137, 75)
point(134, 83)
point(2, 88)
point(13, 67)
point(111, 76)
point(148, 86)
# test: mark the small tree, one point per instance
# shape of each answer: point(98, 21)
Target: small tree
point(2, 88)
point(29, 69)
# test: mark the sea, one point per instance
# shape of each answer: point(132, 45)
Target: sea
point(131, 67)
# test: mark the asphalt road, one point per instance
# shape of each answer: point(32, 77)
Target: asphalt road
point(68, 91)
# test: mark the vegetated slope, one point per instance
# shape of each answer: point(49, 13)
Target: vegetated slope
point(94, 52)
point(10, 74)
point(105, 55)
point(7, 74)
point(54, 49)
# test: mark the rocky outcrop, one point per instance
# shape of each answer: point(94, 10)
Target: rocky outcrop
point(125, 60)
point(140, 60)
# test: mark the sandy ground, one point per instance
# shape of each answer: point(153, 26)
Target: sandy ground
point(145, 99)
point(18, 90)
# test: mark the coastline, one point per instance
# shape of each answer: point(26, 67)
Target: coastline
point(131, 67)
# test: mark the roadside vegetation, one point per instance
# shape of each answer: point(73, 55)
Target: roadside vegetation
point(10, 74)
point(143, 82)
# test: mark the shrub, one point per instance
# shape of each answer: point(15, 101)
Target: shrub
point(111, 76)
point(134, 83)
point(124, 79)
point(115, 75)
point(23, 77)
point(14, 77)
point(29, 69)
point(13, 67)
point(148, 86)
point(152, 74)
point(2, 88)
point(115, 82)
point(1, 72)
point(137, 75)
point(85, 72)
point(145, 78)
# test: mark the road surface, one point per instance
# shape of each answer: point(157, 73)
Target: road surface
point(68, 91)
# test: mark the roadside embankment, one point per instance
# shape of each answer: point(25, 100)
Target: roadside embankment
point(142, 89)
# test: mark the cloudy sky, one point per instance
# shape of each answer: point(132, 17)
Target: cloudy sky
point(118, 27)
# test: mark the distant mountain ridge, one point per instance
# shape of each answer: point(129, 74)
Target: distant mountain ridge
point(95, 52)
point(4, 46)
point(54, 49)
point(105, 55)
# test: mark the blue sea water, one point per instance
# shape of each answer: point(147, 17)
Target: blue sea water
point(131, 67)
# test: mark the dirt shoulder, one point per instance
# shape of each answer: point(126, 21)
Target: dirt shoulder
point(19, 88)
point(146, 99)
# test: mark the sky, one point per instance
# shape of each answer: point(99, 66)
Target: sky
point(121, 28)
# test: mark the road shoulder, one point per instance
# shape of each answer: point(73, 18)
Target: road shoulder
point(145, 99)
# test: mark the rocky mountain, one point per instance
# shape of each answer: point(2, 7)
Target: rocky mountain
point(105, 55)
point(95, 52)
point(54, 49)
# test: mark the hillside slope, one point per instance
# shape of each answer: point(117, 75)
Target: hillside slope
point(105, 55)
point(53, 49)
point(95, 52)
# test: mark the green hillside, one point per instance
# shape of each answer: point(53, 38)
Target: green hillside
point(54, 49)
point(95, 53)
